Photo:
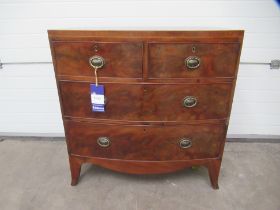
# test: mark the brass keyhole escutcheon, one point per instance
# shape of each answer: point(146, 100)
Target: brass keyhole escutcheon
point(193, 49)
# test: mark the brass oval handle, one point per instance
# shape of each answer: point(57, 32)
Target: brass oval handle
point(103, 141)
point(189, 101)
point(96, 61)
point(192, 62)
point(185, 143)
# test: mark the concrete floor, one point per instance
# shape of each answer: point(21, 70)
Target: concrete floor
point(35, 175)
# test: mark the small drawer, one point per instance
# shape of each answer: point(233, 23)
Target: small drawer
point(154, 102)
point(120, 59)
point(150, 143)
point(186, 60)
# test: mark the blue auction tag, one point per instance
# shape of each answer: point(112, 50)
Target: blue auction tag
point(97, 98)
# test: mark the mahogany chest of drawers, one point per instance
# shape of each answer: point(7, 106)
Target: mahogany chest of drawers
point(168, 98)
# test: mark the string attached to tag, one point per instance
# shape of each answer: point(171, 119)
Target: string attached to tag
point(96, 78)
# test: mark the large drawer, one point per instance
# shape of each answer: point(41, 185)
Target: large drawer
point(149, 102)
point(123, 59)
point(183, 60)
point(154, 143)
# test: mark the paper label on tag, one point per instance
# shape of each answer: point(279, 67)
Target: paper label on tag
point(97, 98)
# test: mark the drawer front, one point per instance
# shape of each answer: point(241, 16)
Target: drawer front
point(154, 143)
point(155, 102)
point(177, 60)
point(121, 59)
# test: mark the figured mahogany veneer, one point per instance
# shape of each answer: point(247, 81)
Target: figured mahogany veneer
point(149, 143)
point(149, 102)
point(147, 128)
point(73, 58)
point(217, 60)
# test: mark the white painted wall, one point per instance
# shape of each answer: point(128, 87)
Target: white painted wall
point(28, 98)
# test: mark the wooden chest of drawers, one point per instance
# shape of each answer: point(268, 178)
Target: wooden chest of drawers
point(168, 98)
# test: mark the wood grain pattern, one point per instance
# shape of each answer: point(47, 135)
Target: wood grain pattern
point(150, 143)
point(149, 167)
point(149, 102)
point(145, 83)
point(121, 59)
point(167, 60)
point(226, 36)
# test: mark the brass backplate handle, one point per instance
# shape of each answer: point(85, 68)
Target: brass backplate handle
point(192, 62)
point(103, 141)
point(97, 62)
point(189, 101)
point(185, 143)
